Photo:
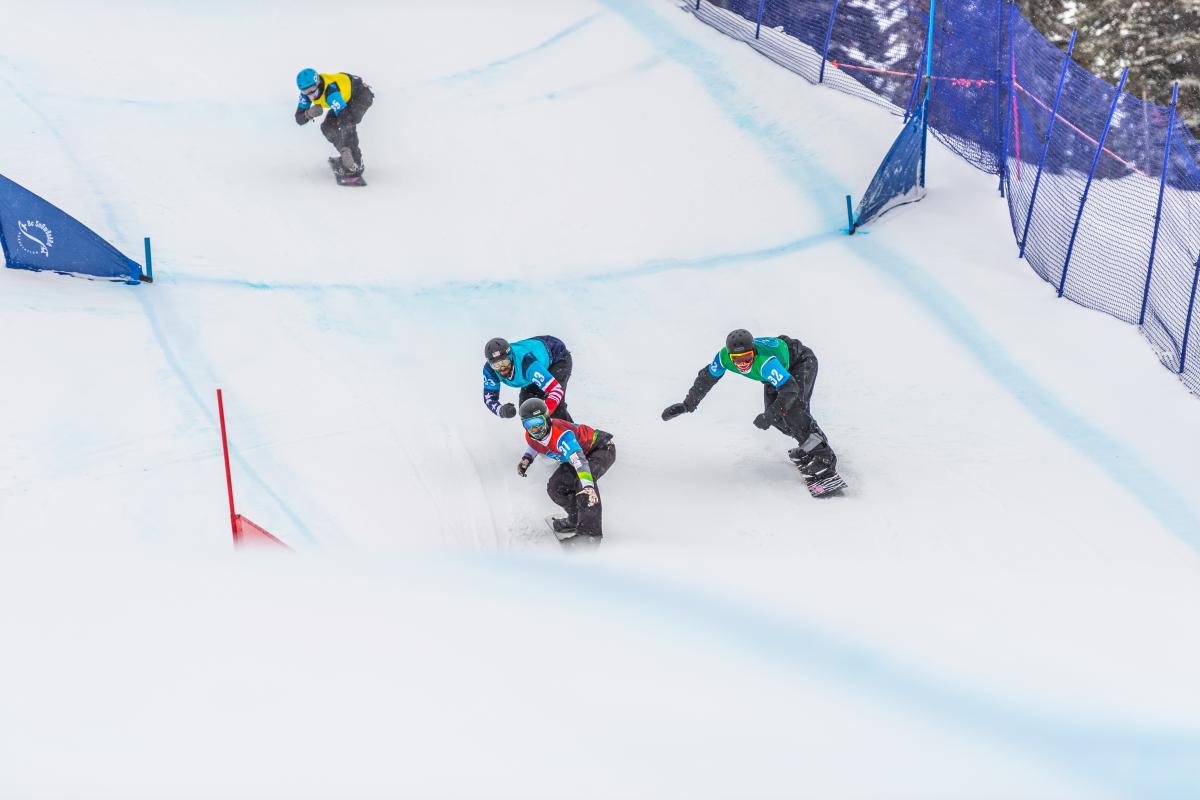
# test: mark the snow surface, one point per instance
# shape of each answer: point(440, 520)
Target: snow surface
point(1003, 604)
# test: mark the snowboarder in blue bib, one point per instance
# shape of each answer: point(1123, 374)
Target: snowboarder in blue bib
point(539, 367)
point(788, 371)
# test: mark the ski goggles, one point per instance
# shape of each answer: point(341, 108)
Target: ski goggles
point(742, 361)
point(312, 92)
point(502, 365)
point(535, 423)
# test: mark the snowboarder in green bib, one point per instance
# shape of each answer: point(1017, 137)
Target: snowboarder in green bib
point(788, 371)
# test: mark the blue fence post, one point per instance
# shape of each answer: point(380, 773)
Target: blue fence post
point(1062, 79)
point(697, 5)
point(758, 22)
point(1187, 327)
point(149, 276)
point(828, 36)
point(1062, 282)
point(1001, 127)
point(1162, 186)
point(928, 88)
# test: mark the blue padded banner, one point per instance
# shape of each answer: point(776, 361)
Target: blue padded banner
point(38, 235)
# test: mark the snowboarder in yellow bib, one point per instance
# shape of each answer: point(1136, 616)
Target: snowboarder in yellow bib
point(347, 99)
point(788, 371)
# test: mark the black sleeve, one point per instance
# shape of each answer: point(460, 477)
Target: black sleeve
point(803, 368)
point(700, 387)
point(805, 374)
point(785, 397)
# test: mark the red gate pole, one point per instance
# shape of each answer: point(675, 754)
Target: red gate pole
point(228, 475)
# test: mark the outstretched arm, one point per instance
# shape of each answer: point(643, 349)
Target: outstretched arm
point(706, 378)
point(526, 459)
point(491, 394)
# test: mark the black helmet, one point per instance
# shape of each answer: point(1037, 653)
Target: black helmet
point(497, 349)
point(739, 341)
point(535, 417)
point(534, 407)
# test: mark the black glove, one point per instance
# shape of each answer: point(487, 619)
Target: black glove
point(762, 422)
point(507, 411)
point(674, 410)
point(313, 111)
point(587, 497)
point(523, 465)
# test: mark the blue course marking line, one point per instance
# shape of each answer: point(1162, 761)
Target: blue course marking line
point(568, 92)
point(1122, 464)
point(206, 409)
point(106, 208)
point(159, 334)
point(1116, 753)
point(455, 290)
point(555, 39)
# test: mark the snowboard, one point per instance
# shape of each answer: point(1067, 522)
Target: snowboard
point(571, 540)
point(343, 179)
point(824, 487)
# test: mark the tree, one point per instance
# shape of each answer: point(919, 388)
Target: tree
point(1159, 40)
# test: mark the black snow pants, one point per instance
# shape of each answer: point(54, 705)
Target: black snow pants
point(797, 421)
point(564, 486)
point(561, 370)
point(342, 129)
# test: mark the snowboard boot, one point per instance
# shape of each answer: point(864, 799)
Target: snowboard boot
point(350, 167)
point(563, 525)
point(815, 459)
point(819, 465)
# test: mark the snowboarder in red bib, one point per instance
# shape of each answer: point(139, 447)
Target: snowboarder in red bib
point(584, 454)
point(788, 371)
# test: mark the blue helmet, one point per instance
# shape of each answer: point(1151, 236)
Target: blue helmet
point(306, 78)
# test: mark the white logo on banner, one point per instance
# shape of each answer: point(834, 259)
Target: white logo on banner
point(35, 237)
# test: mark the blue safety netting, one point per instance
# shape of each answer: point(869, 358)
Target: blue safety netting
point(897, 182)
point(1083, 192)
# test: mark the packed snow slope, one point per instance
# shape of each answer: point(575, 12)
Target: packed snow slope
point(1003, 604)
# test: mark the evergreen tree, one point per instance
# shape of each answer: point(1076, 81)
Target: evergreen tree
point(1159, 40)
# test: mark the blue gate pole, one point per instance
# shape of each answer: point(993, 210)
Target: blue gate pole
point(1162, 186)
point(697, 5)
point(149, 278)
point(758, 22)
point(928, 87)
point(1062, 282)
point(828, 35)
point(1187, 328)
point(1062, 79)
point(1001, 129)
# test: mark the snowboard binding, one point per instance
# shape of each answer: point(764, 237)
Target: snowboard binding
point(818, 467)
point(344, 176)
